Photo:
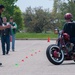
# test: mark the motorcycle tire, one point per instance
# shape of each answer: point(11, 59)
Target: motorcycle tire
point(53, 60)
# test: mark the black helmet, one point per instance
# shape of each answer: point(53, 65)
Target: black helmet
point(68, 16)
point(1, 6)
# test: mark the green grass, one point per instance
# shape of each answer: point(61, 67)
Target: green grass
point(35, 35)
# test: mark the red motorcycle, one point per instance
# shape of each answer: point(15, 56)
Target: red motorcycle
point(62, 50)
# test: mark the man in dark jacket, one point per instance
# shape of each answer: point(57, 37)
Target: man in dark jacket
point(2, 27)
point(5, 37)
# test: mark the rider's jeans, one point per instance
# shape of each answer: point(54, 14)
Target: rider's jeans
point(13, 42)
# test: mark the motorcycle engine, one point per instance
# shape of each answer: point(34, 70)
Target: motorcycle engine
point(69, 46)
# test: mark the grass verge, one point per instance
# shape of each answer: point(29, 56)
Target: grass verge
point(35, 35)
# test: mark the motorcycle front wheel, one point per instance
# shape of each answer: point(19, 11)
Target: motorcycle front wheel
point(54, 54)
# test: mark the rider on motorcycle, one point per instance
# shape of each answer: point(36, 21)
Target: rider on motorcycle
point(69, 27)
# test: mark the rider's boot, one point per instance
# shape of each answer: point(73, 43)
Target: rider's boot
point(0, 64)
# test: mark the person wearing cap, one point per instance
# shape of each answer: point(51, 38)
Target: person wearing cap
point(69, 27)
point(13, 32)
point(2, 27)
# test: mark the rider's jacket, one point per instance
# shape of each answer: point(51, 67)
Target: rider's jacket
point(69, 28)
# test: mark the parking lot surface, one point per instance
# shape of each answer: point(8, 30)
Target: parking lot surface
point(30, 58)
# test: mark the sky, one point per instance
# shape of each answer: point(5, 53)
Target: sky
point(45, 4)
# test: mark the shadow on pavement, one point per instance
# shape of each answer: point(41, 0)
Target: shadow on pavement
point(68, 63)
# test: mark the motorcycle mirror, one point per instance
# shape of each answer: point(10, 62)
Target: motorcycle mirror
point(56, 31)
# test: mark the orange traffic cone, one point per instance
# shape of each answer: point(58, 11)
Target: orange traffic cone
point(48, 39)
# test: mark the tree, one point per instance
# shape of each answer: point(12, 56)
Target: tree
point(12, 10)
point(55, 14)
point(18, 17)
point(60, 8)
point(37, 20)
point(9, 7)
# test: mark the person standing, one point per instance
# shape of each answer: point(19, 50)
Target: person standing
point(13, 31)
point(2, 27)
point(5, 37)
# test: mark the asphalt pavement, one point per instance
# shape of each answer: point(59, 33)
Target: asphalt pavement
point(30, 58)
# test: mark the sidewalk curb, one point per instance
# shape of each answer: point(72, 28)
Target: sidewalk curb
point(33, 39)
